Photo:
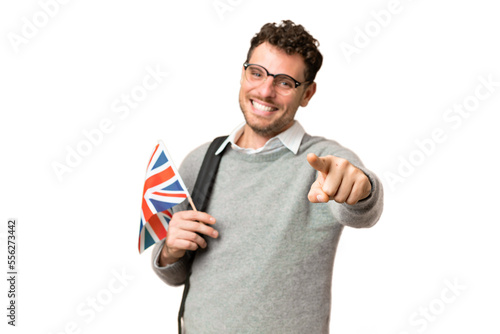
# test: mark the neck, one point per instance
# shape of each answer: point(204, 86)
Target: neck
point(250, 139)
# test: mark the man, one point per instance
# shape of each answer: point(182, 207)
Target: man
point(279, 204)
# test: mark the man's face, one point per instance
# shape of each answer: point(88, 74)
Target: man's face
point(267, 112)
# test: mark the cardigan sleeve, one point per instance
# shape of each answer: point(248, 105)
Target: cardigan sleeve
point(366, 212)
point(173, 274)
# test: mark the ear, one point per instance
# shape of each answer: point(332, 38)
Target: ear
point(308, 94)
point(242, 75)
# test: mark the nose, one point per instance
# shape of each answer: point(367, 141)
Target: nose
point(267, 88)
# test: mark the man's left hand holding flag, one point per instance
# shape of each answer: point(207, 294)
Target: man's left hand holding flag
point(184, 234)
point(164, 189)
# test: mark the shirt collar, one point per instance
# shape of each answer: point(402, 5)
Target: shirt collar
point(290, 138)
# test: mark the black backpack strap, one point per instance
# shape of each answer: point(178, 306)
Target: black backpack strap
point(206, 176)
point(201, 194)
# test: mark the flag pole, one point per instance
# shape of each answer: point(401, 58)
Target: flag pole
point(191, 202)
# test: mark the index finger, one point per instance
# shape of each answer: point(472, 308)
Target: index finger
point(318, 163)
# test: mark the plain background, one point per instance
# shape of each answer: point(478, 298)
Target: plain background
point(440, 222)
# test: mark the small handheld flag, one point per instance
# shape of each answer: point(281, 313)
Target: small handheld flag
point(163, 189)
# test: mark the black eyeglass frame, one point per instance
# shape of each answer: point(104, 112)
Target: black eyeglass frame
point(297, 83)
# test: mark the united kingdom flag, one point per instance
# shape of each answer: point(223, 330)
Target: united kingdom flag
point(163, 189)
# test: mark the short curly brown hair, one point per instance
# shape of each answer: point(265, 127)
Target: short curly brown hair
point(292, 39)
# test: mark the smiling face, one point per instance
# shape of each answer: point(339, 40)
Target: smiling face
point(266, 112)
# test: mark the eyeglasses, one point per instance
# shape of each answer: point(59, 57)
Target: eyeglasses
point(257, 75)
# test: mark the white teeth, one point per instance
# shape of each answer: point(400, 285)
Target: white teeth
point(261, 107)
